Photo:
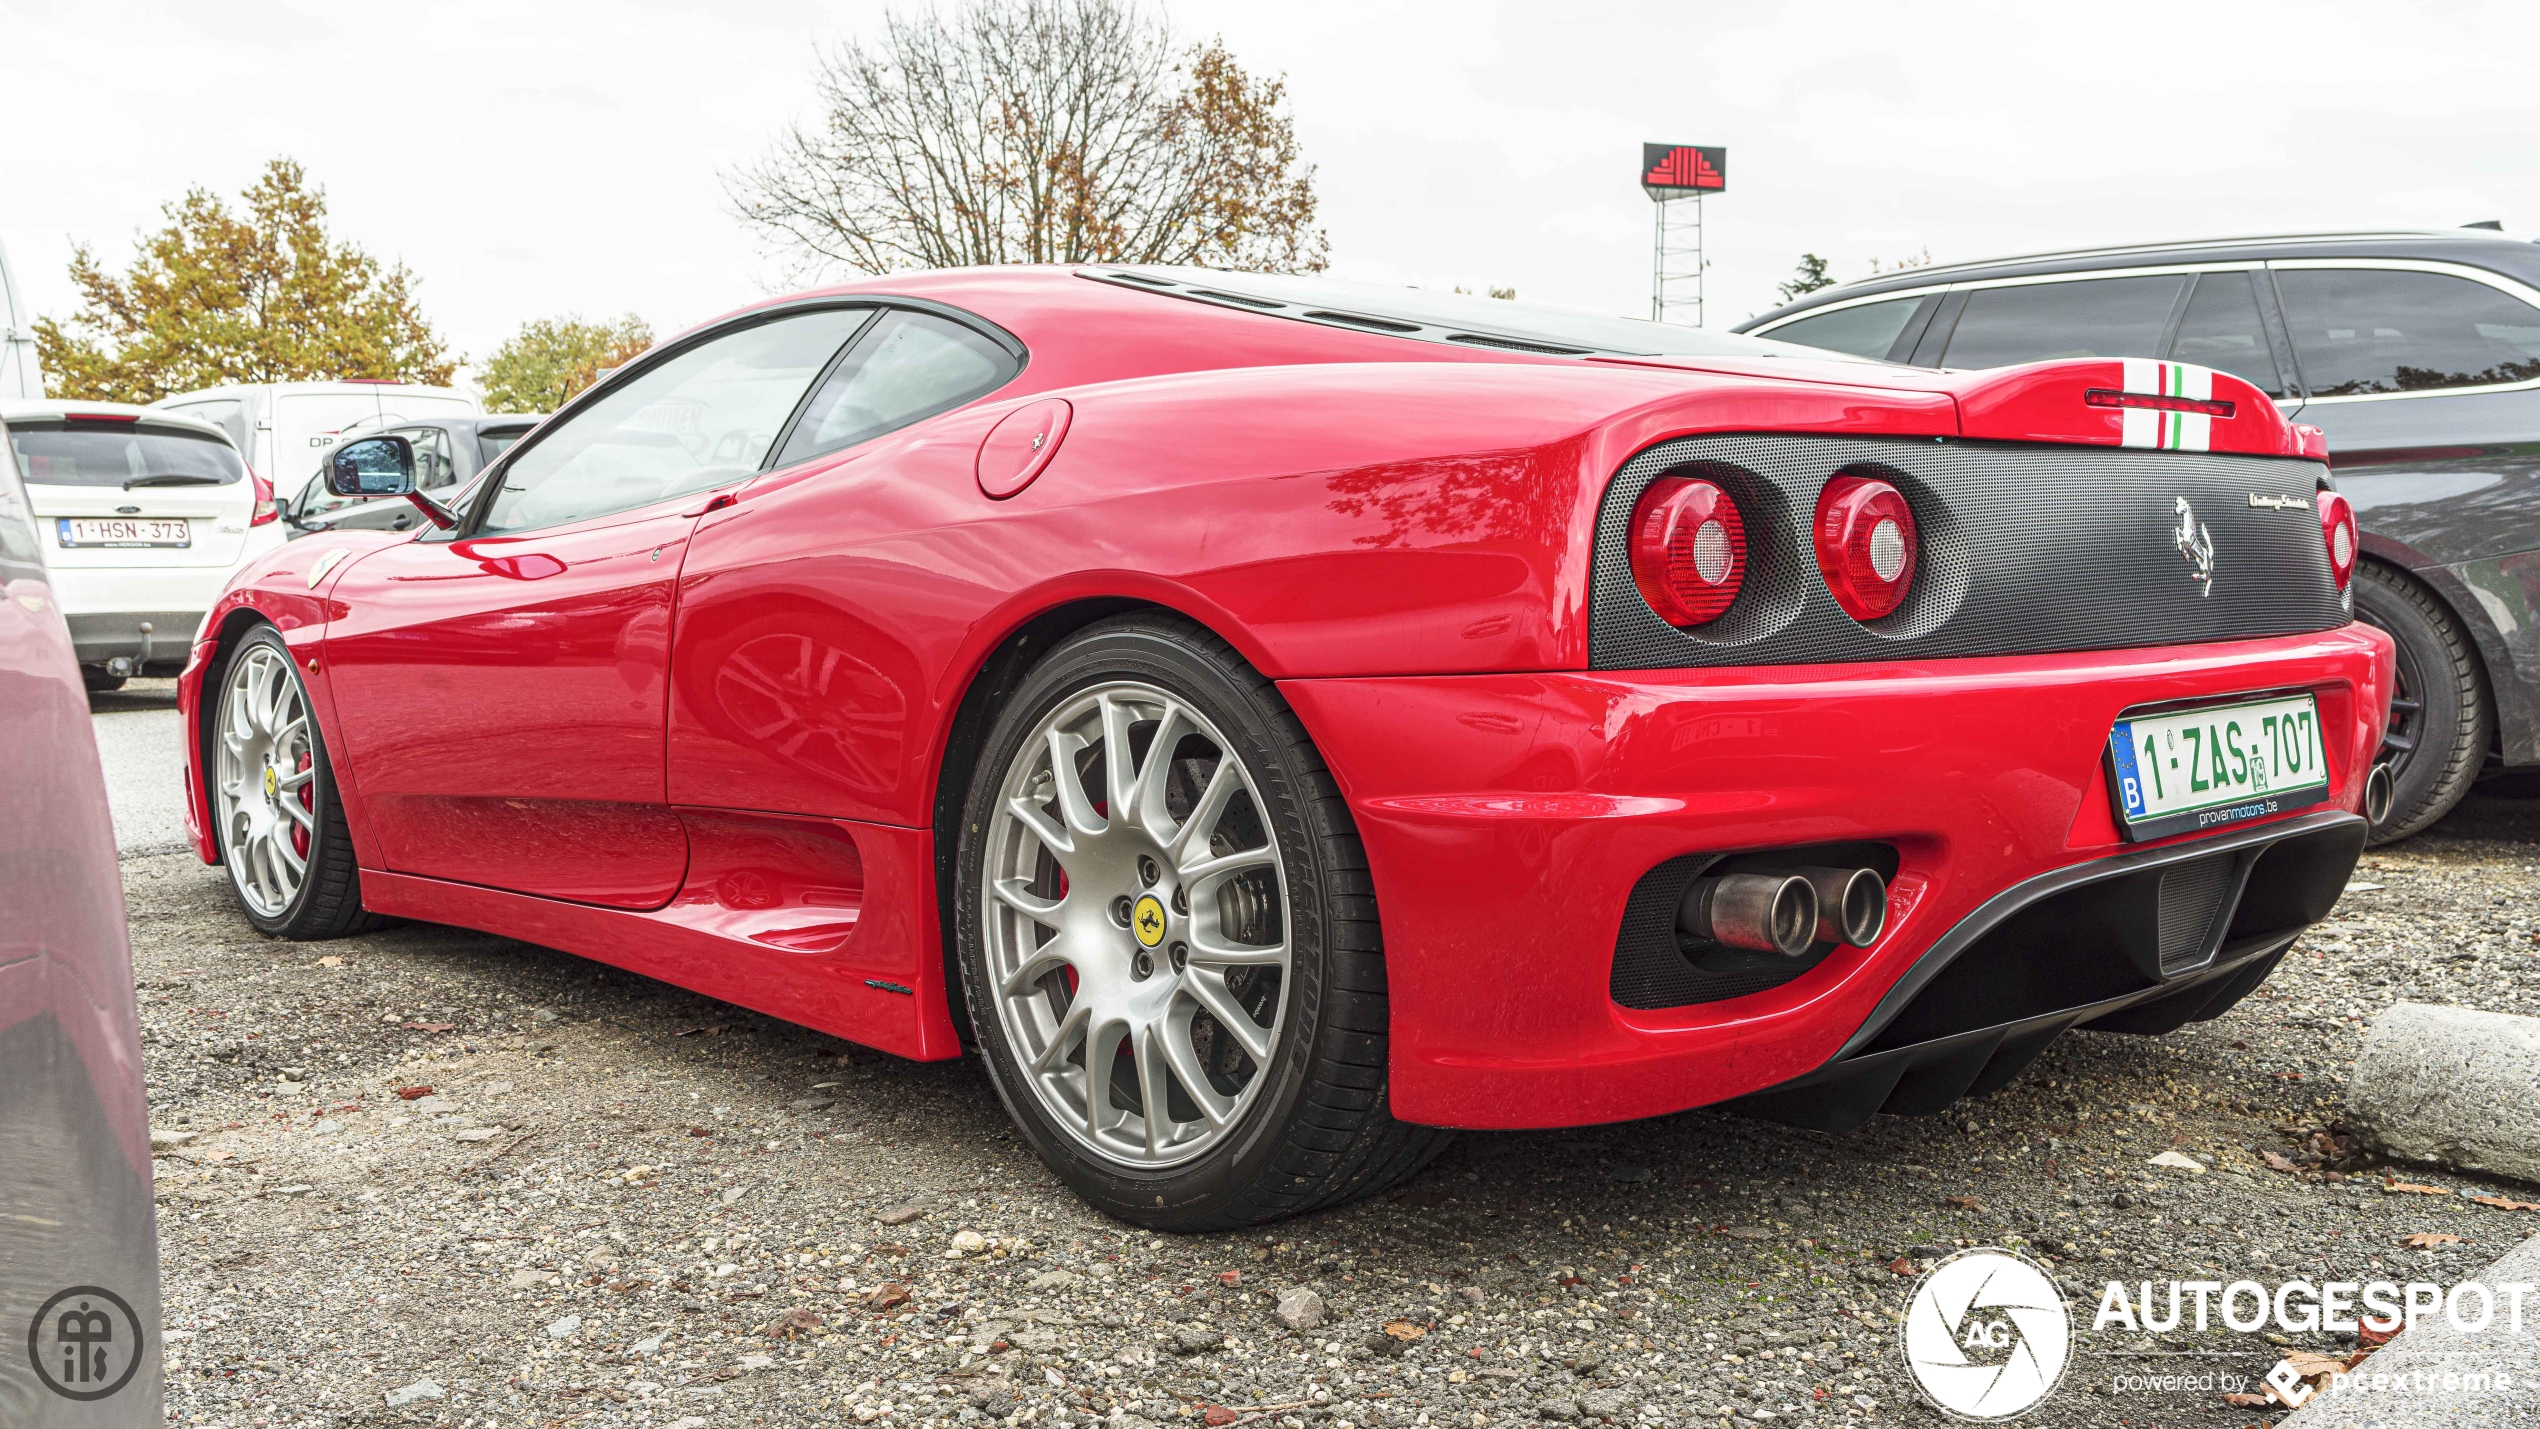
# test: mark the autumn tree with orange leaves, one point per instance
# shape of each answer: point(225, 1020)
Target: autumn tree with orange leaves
point(1036, 131)
point(221, 296)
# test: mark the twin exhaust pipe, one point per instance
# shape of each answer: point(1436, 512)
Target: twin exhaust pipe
point(1788, 911)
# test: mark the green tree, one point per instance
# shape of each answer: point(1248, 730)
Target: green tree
point(217, 297)
point(548, 361)
point(1811, 277)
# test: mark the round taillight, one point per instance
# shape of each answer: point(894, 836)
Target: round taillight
point(2345, 542)
point(1866, 545)
point(1688, 549)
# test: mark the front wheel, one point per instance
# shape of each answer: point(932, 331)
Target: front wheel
point(2439, 715)
point(1168, 939)
point(281, 830)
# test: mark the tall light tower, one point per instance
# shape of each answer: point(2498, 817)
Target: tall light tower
point(1676, 176)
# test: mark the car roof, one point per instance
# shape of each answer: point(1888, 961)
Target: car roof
point(1428, 315)
point(2474, 247)
point(46, 409)
point(1085, 322)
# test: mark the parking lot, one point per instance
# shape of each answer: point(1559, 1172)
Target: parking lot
point(439, 1177)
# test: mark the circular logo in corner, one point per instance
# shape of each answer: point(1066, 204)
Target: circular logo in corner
point(1146, 919)
point(1987, 1335)
point(85, 1343)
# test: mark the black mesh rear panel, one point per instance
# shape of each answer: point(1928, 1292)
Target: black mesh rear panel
point(2190, 894)
point(2026, 549)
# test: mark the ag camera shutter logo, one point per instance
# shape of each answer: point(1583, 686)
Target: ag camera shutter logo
point(1987, 1335)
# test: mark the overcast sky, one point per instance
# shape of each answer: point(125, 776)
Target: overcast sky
point(530, 158)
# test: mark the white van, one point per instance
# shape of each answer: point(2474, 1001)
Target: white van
point(283, 428)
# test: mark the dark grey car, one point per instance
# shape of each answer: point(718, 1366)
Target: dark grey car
point(450, 452)
point(2418, 353)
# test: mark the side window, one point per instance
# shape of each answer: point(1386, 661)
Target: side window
point(1866, 331)
point(908, 366)
point(2221, 331)
point(701, 418)
point(2358, 330)
point(432, 457)
point(2032, 322)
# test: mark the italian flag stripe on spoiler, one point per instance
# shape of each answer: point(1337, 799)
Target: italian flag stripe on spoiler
point(2174, 431)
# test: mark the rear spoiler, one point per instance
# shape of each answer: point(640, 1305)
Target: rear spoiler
point(2128, 402)
point(2094, 401)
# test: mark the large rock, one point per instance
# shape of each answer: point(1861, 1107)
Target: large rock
point(2435, 1375)
point(2452, 1086)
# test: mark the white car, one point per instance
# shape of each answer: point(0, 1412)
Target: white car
point(283, 427)
point(142, 515)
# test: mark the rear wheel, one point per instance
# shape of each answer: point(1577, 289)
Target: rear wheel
point(1168, 939)
point(281, 831)
point(2440, 726)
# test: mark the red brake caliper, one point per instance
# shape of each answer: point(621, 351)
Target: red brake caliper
point(308, 801)
point(1067, 972)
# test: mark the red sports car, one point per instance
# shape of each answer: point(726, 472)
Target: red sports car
point(1273, 721)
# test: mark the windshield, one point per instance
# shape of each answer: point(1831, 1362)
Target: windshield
point(115, 453)
point(1458, 318)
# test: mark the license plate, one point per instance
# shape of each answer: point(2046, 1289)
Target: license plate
point(2225, 764)
point(122, 531)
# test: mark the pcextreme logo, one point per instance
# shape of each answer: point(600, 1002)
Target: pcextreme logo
point(1987, 1335)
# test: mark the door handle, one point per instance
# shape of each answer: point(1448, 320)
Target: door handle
point(720, 500)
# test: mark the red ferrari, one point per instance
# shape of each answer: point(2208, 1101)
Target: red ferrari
point(1274, 721)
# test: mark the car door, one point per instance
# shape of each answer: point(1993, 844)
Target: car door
point(2401, 358)
point(795, 686)
point(502, 692)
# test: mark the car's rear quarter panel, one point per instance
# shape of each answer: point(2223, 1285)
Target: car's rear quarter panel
point(1507, 818)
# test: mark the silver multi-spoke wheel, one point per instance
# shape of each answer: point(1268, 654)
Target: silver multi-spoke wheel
point(1134, 906)
point(264, 782)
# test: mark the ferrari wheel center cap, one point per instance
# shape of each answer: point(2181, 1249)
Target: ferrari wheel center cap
point(273, 782)
point(1146, 919)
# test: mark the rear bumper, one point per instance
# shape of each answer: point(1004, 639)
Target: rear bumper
point(1509, 818)
point(154, 641)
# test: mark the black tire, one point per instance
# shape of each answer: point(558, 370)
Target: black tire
point(98, 682)
point(1318, 1130)
point(2441, 720)
point(329, 901)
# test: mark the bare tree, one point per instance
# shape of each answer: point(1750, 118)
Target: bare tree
point(1036, 131)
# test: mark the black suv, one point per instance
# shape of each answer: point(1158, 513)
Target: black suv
point(2418, 354)
point(450, 452)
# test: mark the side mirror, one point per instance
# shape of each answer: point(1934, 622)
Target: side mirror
point(373, 466)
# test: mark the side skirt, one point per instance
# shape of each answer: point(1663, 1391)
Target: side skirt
point(874, 977)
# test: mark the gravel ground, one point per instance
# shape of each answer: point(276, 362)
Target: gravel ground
point(621, 1204)
point(140, 743)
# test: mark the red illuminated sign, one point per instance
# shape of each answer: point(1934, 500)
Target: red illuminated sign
point(1678, 170)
